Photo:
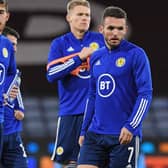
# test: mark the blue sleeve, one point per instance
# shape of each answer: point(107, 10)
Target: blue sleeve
point(143, 82)
point(12, 62)
point(59, 65)
point(90, 104)
point(19, 102)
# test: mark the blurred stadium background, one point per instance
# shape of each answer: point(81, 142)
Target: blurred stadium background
point(38, 22)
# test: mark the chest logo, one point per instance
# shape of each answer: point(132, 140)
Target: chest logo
point(106, 85)
point(120, 62)
point(94, 45)
point(5, 52)
point(2, 73)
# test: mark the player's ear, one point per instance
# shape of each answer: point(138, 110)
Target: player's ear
point(126, 28)
point(7, 16)
point(68, 18)
point(100, 28)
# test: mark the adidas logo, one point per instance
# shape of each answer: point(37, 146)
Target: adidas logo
point(70, 49)
point(98, 62)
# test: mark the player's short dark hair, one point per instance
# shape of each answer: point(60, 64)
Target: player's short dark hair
point(10, 31)
point(5, 2)
point(71, 4)
point(114, 11)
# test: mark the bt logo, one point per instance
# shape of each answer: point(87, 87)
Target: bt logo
point(2, 73)
point(106, 85)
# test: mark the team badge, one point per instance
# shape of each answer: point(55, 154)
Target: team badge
point(5, 52)
point(120, 62)
point(94, 45)
point(60, 150)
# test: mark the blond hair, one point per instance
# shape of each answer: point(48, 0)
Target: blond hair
point(73, 3)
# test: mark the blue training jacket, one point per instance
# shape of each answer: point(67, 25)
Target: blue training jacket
point(120, 90)
point(7, 67)
point(11, 124)
point(72, 75)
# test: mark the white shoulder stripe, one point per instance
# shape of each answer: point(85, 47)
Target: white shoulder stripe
point(141, 110)
point(70, 61)
point(11, 85)
point(86, 106)
point(61, 67)
point(141, 115)
point(137, 112)
point(19, 99)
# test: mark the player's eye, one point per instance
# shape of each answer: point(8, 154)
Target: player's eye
point(14, 44)
point(111, 28)
point(2, 12)
point(80, 14)
point(120, 28)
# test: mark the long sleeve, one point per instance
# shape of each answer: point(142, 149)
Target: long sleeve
point(59, 65)
point(12, 63)
point(143, 80)
point(19, 102)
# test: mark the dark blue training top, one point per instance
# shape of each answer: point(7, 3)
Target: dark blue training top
point(120, 90)
point(65, 66)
